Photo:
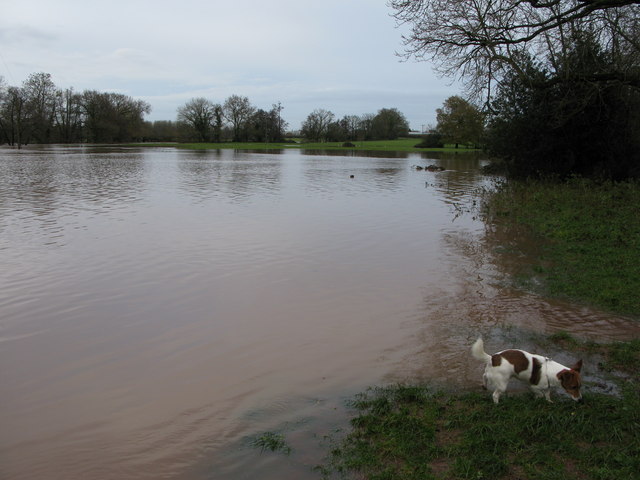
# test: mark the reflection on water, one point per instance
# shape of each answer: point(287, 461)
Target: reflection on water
point(159, 307)
point(231, 174)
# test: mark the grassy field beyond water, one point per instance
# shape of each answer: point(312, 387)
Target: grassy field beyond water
point(398, 145)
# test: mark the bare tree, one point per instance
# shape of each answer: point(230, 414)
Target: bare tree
point(351, 125)
point(40, 95)
point(199, 114)
point(112, 117)
point(316, 125)
point(68, 116)
point(238, 110)
point(481, 40)
point(15, 122)
point(365, 126)
point(281, 124)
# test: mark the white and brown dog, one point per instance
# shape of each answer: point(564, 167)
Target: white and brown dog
point(539, 372)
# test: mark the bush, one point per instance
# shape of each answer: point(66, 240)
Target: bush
point(431, 140)
point(566, 123)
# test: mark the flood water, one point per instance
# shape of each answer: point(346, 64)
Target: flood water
point(161, 308)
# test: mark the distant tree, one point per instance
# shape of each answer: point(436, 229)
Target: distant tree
point(389, 124)
point(15, 122)
point(199, 114)
point(351, 126)
point(238, 110)
point(266, 126)
point(98, 117)
point(365, 126)
point(41, 100)
point(316, 126)
point(3, 100)
point(459, 122)
point(345, 129)
point(112, 117)
point(68, 116)
point(161, 131)
point(281, 124)
point(217, 123)
point(336, 132)
point(260, 126)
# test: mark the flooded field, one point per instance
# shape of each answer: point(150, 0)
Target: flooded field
point(159, 309)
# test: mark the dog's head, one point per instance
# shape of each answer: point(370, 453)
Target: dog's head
point(571, 381)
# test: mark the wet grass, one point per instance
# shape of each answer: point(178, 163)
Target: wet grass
point(415, 432)
point(621, 357)
point(590, 233)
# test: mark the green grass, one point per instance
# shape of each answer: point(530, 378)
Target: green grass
point(414, 433)
point(590, 235)
point(400, 145)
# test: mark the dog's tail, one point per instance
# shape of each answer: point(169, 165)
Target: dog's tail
point(477, 350)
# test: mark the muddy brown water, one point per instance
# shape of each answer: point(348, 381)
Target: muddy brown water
point(160, 308)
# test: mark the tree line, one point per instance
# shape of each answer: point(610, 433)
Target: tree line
point(321, 126)
point(238, 120)
point(39, 112)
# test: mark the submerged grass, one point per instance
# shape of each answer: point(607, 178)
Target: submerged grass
point(590, 235)
point(272, 441)
point(412, 432)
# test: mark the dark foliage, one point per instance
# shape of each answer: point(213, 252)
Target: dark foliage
point(566, 123)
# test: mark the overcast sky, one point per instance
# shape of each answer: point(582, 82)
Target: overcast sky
point(333, 54)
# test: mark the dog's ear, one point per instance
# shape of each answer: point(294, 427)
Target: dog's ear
point(577, 366)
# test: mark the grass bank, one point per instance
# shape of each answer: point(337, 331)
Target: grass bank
point(590, 237)
point(399, 145)
point(414, 432)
